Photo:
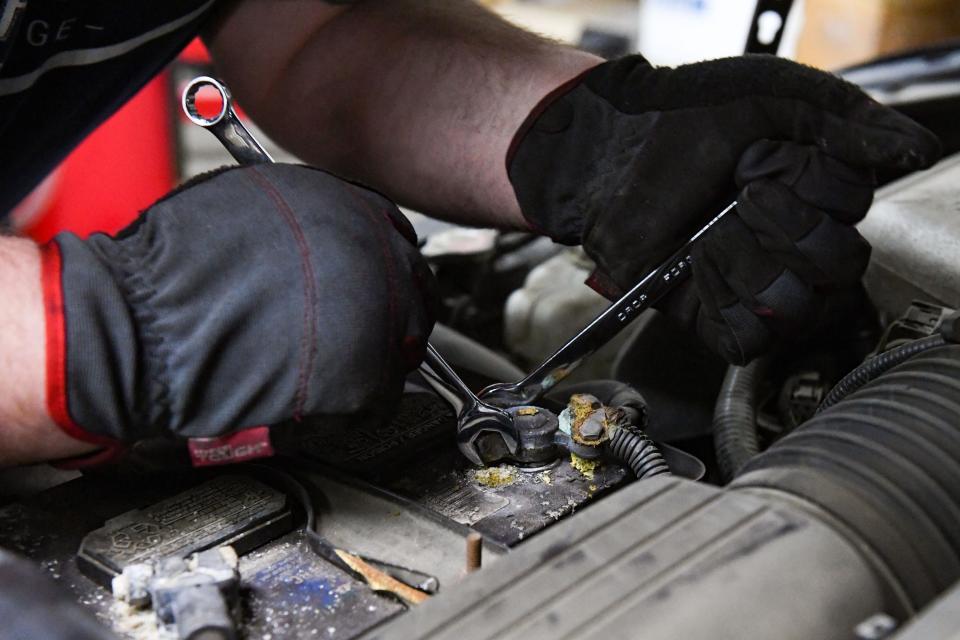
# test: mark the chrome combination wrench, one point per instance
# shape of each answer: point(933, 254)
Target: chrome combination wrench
point(602, 329)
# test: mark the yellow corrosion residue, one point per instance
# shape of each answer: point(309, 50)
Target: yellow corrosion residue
point(528, 411)
point(582, 406)
point(545, 477)
point(584, 466)
point(494, 477)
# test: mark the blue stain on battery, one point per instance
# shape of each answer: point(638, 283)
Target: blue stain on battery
point(321, 592)
point(315, 590)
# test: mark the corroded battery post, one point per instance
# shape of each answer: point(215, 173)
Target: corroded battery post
point(590, 431)
point(536, 429)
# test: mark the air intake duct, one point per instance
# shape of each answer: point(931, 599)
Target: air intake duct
point(885, 462)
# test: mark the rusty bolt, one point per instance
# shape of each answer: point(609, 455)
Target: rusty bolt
point(474, 551)
point(593, 428)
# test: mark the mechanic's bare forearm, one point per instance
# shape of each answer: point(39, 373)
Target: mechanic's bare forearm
point(26, 432)
point(418, 98)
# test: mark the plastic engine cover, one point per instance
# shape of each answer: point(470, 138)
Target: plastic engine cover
point(914, 228)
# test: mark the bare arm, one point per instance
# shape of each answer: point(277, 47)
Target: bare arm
point(418, 98)
point(26, 432)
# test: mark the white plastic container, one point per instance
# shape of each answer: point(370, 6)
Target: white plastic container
point(552, 307)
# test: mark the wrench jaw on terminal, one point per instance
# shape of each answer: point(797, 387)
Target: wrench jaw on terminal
point(487, 435)
point(509, 394)
point(528, 391)
point(487, 438)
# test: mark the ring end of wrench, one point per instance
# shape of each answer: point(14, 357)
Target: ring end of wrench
point(189, 101)
point(225, 125)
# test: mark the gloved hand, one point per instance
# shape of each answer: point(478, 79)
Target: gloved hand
point(630, 160)
point(248, 297)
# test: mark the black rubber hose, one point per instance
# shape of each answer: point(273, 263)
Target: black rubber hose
point(735, 420)
point(633, 448)
point(876, 365)
point(885, 463)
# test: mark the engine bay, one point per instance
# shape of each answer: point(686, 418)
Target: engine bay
point(812, 493)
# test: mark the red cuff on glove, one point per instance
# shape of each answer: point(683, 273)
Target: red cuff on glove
point(56, 364)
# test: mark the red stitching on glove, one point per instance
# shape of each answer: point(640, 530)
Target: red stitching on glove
point(308, 342)
point(392, 286)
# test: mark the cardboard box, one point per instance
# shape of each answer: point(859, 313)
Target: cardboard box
point(839, 33)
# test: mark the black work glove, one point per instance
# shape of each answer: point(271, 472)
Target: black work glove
point(249, 297)
point(630, 160)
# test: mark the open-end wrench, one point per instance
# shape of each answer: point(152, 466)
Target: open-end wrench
point(484, 433)
point(228, 128)
point(601, 330)
point(478, 423)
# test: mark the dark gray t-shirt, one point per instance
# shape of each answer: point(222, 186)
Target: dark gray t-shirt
point(67, 65)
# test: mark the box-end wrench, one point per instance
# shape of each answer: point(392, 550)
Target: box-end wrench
point(601, 330)
point(484, 433)
point(228, 128)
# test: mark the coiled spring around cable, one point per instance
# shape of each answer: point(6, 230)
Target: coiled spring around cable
point(632, 447)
